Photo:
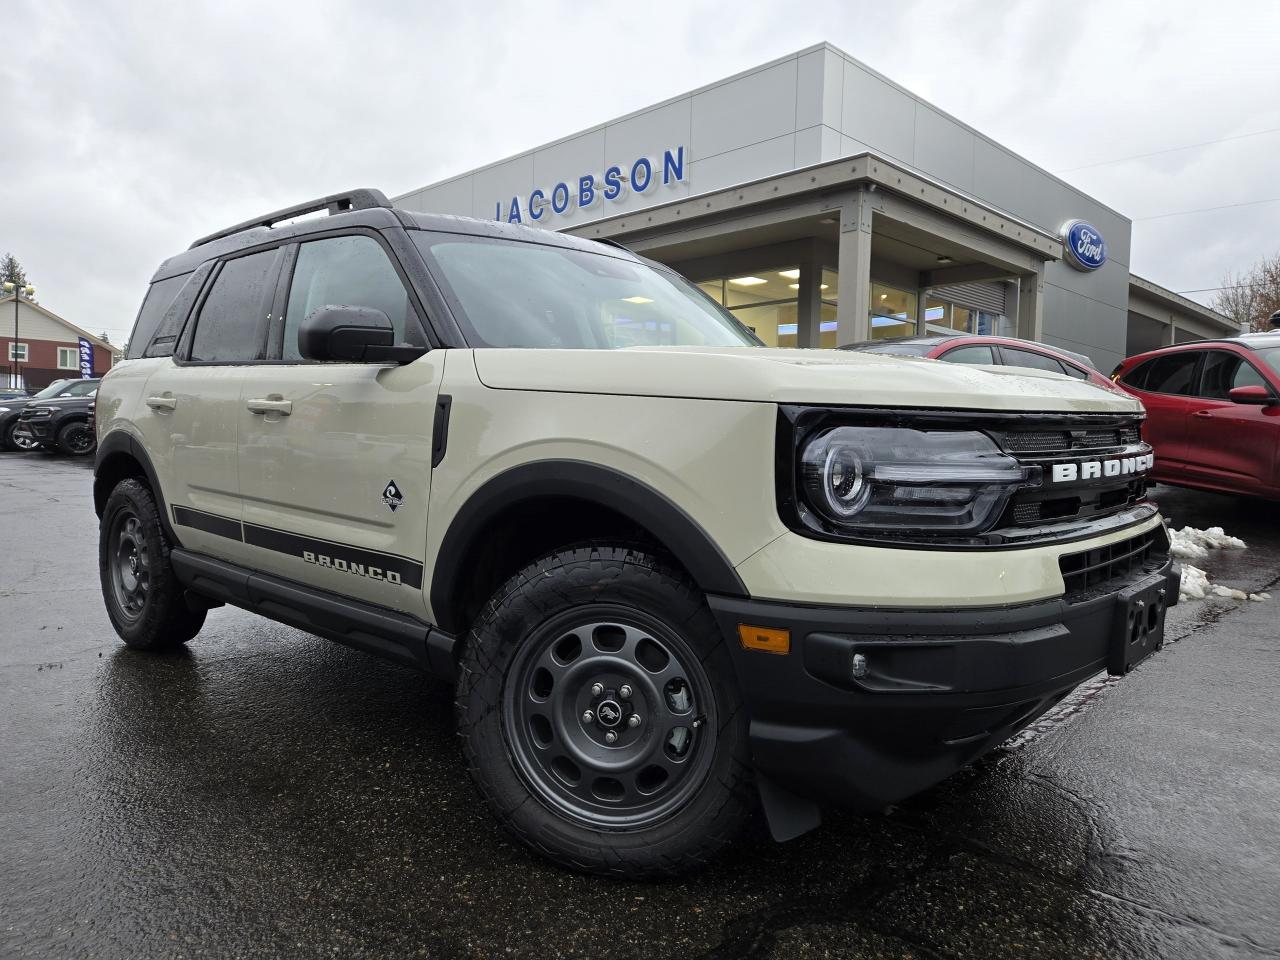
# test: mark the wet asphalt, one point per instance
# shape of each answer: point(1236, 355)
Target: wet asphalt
point(265, 793)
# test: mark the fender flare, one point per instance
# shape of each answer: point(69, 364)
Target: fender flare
point(119, 442)
point(580, 480)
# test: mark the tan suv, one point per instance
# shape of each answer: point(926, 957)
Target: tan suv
point(677, 576)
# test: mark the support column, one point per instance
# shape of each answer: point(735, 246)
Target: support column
point(1031, 305)
point(852, 319)
point(809, 309)
point(922, 299)
point(1169, 336)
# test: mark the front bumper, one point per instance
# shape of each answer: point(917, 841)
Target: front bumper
point(942, 686)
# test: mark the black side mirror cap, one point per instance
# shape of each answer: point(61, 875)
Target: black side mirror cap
point(344, 334)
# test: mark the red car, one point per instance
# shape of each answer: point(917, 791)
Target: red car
point(1213, 412)
point(999, 351)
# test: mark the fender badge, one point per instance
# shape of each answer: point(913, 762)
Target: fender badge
point(392, 496)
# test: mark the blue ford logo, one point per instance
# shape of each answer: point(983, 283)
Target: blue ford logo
point(1083, 244)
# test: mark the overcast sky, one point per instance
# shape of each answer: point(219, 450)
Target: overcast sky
point(132, 128)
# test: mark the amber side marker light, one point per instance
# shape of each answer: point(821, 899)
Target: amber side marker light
point(768, 639)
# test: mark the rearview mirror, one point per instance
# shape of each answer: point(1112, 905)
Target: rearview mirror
point(352, 335)
point(1251, 394)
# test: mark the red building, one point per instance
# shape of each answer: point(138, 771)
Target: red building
point(47, 347)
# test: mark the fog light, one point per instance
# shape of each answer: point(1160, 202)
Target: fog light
point(860, 669)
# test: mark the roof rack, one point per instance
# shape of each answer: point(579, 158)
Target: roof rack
point(362, 199)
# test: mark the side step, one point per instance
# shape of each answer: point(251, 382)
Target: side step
point(384, 633)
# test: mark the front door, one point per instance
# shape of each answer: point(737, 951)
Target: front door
point(335, 458)
point(191, 419)
point(1231, 444)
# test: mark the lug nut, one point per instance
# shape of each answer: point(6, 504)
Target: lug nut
point(610, 737)
point(597, 689)
point(633, 720)
point(624, 691)
point(587, 716)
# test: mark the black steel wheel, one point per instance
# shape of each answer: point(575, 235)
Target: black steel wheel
point(600, 715)
point(146, 603)
point(77, 439)
point(605, 711)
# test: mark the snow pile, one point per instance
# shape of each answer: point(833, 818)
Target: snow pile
point(1192, 544)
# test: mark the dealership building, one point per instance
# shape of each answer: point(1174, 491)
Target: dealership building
point(824, 204)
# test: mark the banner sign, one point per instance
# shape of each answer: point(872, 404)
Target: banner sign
point(86, 359)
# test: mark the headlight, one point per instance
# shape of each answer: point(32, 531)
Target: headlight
point(41, 412)
point(879, 480)
point(5, 410)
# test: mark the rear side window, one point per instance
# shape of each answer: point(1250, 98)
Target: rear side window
point(973, 354)
point(232, 325)
point(160, 295)
point(1173, 373)
point(1027, 358)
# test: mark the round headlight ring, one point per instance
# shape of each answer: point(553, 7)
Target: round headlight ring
point(844, 482)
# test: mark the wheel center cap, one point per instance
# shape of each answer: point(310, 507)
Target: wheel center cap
point(609, 713)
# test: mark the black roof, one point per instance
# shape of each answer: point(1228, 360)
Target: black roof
point(364, 207)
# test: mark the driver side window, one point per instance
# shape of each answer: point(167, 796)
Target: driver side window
point(346, 271)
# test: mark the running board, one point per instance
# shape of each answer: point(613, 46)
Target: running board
point(384, 633)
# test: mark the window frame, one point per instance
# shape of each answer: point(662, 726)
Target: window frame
point(13, 352)
point(75, 358)
point(284, 283)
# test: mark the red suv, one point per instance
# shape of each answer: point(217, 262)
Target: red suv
point(1213, 412)
point(996, 351)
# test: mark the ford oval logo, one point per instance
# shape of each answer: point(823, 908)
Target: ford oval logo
point(1083, 244)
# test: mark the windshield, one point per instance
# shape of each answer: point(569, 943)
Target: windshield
point(1272, 356)
point(51, 390)
point(509, 293)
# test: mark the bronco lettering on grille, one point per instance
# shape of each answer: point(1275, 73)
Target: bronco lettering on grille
point(1100, 469)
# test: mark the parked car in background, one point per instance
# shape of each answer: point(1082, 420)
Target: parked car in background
point(8, 393)
point(996, 351)
point(63, 422)
point(1213, 412)
point(11, 408)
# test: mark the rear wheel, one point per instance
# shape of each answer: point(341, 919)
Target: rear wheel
point(77, 439)
point(144, 599)
point(600, 716)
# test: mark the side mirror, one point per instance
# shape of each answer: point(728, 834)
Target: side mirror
point(352, 335)
point(1253, 393)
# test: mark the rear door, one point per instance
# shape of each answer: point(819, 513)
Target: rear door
point(1166, 387)
point(1231, 444)
point(192, 402)
point(335, 458)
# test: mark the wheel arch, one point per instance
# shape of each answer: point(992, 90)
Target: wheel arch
point(601, 495)
point(121, 457)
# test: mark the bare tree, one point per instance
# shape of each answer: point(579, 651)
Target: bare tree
point(1252, 296)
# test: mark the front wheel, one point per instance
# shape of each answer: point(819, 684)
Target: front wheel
point(145, 601)
point(77, 439)
point(600, 716)
point(14, 442)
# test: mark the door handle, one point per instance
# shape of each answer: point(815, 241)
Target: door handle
point(1202, 413)
point(267, 405)
point(162, 403)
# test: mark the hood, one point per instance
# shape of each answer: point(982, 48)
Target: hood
point(816, 377)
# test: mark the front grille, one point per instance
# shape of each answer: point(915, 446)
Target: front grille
point(1050, 442)
point(1090, 573)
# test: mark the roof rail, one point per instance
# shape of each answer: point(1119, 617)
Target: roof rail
point(362, 199)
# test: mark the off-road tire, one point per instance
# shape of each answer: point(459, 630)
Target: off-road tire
point(162, 620)
point(76, 439)
point(591, 582)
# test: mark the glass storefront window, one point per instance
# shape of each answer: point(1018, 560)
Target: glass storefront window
point(765, 300)
point(893, 312)
point(774, 323)
point(713, 289)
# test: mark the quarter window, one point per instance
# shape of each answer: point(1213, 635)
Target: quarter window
point(232, 326)
point(159, 296)
point(346, 271)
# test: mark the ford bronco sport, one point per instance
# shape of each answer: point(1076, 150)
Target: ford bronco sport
point(675, 575)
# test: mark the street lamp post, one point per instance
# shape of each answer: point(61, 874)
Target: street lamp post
point(30, 291)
